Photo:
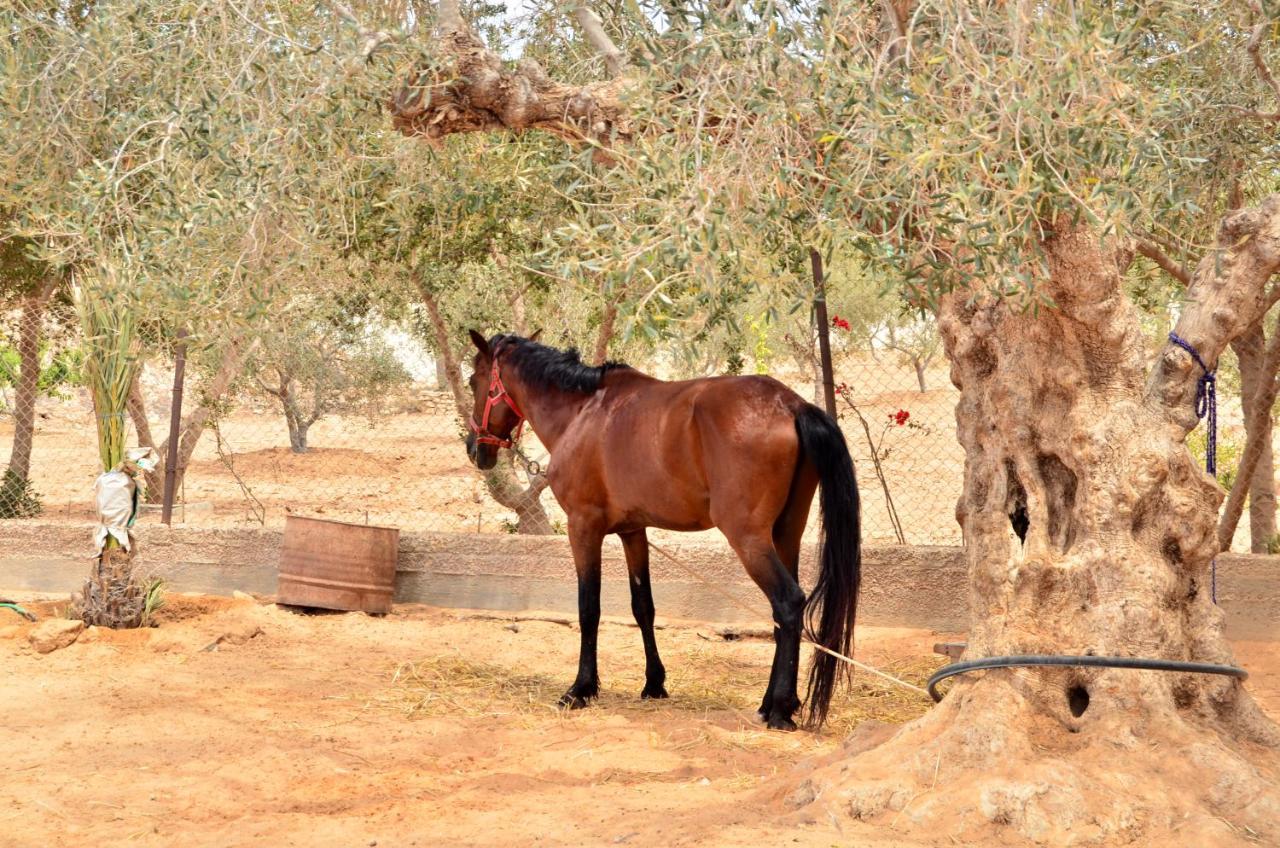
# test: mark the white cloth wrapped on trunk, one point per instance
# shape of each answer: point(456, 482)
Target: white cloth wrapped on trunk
point(116, 494)
point(114, 491)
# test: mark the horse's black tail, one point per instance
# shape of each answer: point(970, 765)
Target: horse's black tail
point(830, 611)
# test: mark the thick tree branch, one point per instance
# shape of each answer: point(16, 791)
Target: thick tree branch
point(1153, 252)
point(266, 387)
point(371, 40)
point(1262, 23)
point(1228, 292)
point(449, 19)
point(895, 19)
point(473, 90)
point(593, 28)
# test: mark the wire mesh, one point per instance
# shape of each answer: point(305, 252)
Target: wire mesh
point(395, 456)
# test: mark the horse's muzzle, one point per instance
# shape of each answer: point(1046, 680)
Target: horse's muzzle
point(483, 457)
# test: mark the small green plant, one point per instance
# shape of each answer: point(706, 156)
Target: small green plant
point(1273, 544)
point(18, 498)
point(153, 599)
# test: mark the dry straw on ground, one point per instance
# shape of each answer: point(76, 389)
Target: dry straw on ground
point(700, 679)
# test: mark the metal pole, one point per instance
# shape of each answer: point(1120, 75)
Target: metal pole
point(824, 334)
point(175, 426)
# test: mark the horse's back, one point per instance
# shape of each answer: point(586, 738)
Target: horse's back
point(674, 454)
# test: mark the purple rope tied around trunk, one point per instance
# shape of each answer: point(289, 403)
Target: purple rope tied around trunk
point(1206, 403)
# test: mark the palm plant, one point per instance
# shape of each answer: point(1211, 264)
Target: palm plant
point(113, 595)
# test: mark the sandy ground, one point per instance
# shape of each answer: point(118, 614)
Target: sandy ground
point(423, 728)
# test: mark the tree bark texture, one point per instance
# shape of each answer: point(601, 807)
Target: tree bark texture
point(477, 92)
point(1064, 423)
point(1250, 349)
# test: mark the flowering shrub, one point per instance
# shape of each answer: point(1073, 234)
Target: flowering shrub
point(839, 323)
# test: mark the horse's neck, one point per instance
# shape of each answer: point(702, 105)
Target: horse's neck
point(551, 412)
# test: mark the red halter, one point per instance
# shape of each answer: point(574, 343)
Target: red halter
point(497, 392)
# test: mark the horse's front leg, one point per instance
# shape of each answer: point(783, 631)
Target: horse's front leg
point(636, 547)
point(585, 539)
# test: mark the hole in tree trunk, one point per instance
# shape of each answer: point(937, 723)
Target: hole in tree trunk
point(1078, 700)
point(1060, 493)
point(1020, 521)
point(1184, 694)
point(1016, 503)
point(983, 358)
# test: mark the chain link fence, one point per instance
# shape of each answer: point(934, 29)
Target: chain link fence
point(271, 432)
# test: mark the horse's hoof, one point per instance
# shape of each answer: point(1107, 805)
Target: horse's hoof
point(781, 723)
point(653, 692)
point(571, 701)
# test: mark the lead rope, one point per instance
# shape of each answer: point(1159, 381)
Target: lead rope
point(1206, 404)
point(741, 605)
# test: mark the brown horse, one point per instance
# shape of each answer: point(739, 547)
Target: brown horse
point(629, 451)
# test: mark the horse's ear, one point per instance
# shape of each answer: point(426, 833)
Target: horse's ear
point(480, 342)
point(536, 334)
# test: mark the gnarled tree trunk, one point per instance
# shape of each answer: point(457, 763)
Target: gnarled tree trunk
point(526, 502)
point(1060, 413)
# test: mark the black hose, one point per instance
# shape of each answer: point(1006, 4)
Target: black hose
point(1103, 662)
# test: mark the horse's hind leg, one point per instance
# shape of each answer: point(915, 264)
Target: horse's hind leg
point(787, 600)
point(788, 531)
point(585, 541)
point(636, 547)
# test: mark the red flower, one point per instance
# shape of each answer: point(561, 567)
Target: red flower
point(900, 417)
point(839, 323)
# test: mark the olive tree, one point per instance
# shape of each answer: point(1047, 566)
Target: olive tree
point(1006, 163)
point(323, 365)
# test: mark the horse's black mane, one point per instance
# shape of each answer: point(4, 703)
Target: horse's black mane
point(544, 367)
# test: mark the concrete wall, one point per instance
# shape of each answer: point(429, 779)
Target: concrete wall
point(902, 586)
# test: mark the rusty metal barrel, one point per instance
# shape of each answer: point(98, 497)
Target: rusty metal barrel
point(337, 565)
